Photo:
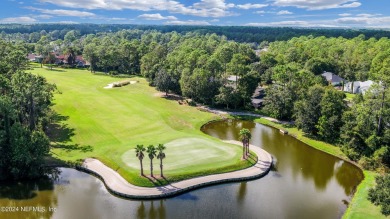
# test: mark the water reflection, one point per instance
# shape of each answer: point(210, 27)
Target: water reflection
point(304, 183)
point(241, 193)
point(155, 209)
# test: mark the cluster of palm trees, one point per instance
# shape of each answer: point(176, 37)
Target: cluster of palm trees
point(245, 136)
point(152, 152)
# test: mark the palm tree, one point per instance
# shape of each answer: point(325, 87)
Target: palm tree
point(139, 152)
point(151, 153)
point(161, 156)
point(245, 136)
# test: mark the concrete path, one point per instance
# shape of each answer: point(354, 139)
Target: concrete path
point(119, 186)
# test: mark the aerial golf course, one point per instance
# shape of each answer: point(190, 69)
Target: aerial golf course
point(107, 124)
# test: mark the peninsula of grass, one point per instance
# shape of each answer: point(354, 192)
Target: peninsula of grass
point(107, 124)
point(360, 206)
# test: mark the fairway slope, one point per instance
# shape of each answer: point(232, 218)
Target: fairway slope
point(111, 122)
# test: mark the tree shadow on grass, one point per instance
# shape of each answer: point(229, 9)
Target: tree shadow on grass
point(54, 69)
point(60, 135)
point(58, 131)
point(73, 147)
point(157, 181)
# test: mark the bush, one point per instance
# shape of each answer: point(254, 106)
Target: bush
point(380, 195)
point(369, 163)
point(191, 102)
point(113, 73)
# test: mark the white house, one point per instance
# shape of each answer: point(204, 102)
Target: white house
point(359, 87)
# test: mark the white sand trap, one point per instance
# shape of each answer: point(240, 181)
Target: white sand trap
point(185, 152)
point(119, 84)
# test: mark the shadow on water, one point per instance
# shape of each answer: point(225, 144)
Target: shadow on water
point(154, 211)
point(188, 196)
point(241, 192)
point(60, 135)
point(28, 189)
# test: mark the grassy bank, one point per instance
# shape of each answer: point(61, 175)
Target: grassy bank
point(359, 207)
point(107, 124)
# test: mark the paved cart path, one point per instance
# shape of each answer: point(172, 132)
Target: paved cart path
point(119, 186)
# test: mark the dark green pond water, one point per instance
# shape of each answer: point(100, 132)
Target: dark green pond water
point(305, 183)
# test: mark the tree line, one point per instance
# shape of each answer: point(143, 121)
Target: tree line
point(24, 113)
point(194, 65)
point(32, 32)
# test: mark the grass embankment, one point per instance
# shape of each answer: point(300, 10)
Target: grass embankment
point(360, 206)
point(107, 124)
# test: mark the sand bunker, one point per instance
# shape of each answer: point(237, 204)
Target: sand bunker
point(119, 84)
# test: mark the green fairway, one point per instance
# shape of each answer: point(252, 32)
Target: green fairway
point(107, 124)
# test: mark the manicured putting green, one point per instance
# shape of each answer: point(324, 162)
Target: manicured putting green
point(196, 151)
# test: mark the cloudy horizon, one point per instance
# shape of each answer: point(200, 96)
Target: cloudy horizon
point(268, 13)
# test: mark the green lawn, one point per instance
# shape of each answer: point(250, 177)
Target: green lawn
point(360, 207)
point(349, 96)
point(108, 123)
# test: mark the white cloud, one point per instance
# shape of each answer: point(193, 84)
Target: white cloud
point(18, 20)
point(365, 20)
point(299, 23)
point(43, 16)
point(260, 12)
point(67, 22)
point(203, 8)
point(318, 4)
point(156, 17)
point(280, 23)
point(189, 22)
point(345, 15)
point(284, 12)
point(61, 12)
point(251, 6)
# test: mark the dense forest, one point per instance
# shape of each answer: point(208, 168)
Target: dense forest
point(237, 33)
point(361, 129)
point(24, 113)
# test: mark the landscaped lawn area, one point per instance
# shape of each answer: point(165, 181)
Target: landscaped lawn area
point(107, 124)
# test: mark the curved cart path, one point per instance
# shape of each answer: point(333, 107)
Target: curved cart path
point(119, 186)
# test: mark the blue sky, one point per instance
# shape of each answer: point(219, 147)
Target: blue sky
point(298, 13)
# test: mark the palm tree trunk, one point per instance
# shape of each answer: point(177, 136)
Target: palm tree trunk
point(243, 149)
point(247, 148)
point(151, 167)
point(161, 168)
point(142, 168)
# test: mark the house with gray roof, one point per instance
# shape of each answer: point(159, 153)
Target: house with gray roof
point(333, 79)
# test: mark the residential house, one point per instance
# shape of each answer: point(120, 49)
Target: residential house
point(232, 80)
point(31, 57)
point(333, 79)
point(358, 87)
point(81, 62)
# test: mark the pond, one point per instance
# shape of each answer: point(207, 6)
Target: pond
point(305, 183)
